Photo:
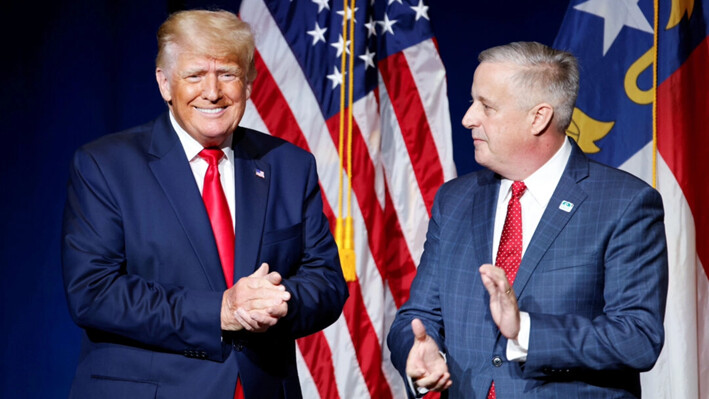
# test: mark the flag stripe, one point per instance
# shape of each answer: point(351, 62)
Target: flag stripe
point(426, 66)
point(316, 352)
point(414, 125)
point(683, 105)
point(369, 352)
point(401, 179)
point(273, 107)
point(381, 233)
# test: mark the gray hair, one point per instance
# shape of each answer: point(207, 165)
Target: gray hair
point(546, 75)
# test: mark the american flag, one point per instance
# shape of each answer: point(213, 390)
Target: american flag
point(392, 85)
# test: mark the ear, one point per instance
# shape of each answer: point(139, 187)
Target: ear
point(542, 115)
point(249, 86)
point(163, 84)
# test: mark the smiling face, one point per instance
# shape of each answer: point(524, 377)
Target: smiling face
point(501, 127)
point(206, 95)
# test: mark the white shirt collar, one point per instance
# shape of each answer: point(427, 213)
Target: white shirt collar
point(192, 147)
point(542, 183)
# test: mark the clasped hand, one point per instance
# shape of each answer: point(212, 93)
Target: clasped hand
point(255, 303)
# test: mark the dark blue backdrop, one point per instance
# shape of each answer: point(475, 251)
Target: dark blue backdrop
point(72, 72)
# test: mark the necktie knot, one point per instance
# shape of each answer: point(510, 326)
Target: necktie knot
point(518, 188)
point(211, 155)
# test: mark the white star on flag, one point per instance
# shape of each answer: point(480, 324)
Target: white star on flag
point(321, 4)
point(387, 24)
point(391, 1)
point(421, 10)
point(349, 13)
point(318, 33)
point(616, 14)
point(335, 77)
point(341, 45)
point(368, 58)
point(371, 28)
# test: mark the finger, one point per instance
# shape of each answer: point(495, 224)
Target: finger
point(428, 381)
point(419, 330)
point(275, 279)
point(245, 319)
point(442, 383)
point(263, 319)
point(278, 311)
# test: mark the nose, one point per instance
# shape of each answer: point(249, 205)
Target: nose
point(470, 119)
point(211, 89)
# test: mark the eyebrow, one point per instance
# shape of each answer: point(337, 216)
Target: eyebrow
point(200, 71)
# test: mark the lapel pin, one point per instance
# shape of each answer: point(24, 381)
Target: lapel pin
point(259, 173)
point(566, 206)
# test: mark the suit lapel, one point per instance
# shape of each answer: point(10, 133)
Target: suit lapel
point(252, 180)
point(484, 202)
point(173, 173)
point(555, 216)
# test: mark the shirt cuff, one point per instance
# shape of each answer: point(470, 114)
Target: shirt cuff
point(517, 348)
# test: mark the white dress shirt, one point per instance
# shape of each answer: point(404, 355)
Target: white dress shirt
point(540, 187)
point(199, 166)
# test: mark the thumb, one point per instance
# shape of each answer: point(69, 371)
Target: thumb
point(419, 330)
point(262, 271)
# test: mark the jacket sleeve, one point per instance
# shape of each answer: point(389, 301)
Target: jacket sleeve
point(424, 300)
point(128, 308)
point(629, 333)
point(318, 289)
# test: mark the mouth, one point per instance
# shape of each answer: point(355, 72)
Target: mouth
point(210, 111)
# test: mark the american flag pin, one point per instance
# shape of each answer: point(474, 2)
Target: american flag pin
point(566, 206)
point(259, 173)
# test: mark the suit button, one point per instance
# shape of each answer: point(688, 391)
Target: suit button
point(497, 361)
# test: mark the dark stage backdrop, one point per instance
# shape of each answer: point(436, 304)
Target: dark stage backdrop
point(74, 70)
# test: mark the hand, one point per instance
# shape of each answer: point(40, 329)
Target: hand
point(425, 364)
point(503, 301)
point(256, 302)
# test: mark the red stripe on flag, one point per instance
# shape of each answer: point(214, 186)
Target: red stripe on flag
point(682, 109)
point(364, 338)
point(416, 131)
point(318, 357)
point(383, 229)
point(361, 329)
point(273, 107)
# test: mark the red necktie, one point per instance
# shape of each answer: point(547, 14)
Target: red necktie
point(509, 253)
point(220, 219)
point(218, 211)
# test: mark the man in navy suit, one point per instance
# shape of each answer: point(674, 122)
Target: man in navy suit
point(584, 314)
point(144, 272)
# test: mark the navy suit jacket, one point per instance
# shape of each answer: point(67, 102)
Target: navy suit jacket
point(143, 277)
point(593, 280)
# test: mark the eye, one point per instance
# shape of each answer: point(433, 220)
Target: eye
point(227, 76)
point(193, 78)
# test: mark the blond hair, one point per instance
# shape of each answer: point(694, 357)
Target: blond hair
point(217, 34)
point(546, 75)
